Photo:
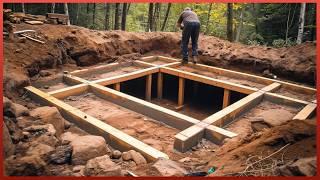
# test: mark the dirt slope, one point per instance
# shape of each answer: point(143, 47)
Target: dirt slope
point(76, 46)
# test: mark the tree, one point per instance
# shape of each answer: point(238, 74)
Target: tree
point(116, 17)
point(150, 18)
point(52, 7)
point(230, 22)
point(22, 7)
point(156, 16)
point(124, 16)
point(301, 22)
point(240, 25)
point(107, 17)
point(94, 15)
point(66, 11)
point(208, 18)
point(166, 17)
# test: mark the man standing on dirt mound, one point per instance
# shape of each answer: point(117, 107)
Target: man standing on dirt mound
point(190, 25)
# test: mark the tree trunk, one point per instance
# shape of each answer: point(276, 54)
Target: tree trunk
point(124, 17)
point(156, 16)
point(52, 7)
point(240, 25)
point(150, 18)
point(129, 4)
point(208, 18)
point(66, 12)
point(88, 6)
point(301, 23)
point(107, 17)
point(22, 7)
point(116, 16)
point(229, 22)
point(77, 14)
point(166, 17)
point(94, 15)
point(288, 20)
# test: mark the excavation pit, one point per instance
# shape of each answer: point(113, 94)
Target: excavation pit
point(163, 109)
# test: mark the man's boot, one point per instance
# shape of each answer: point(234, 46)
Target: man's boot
point(194, 59)
point(184, 61)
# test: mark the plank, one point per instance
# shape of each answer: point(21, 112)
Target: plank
point(117, 86)
point(181, 92)
point(148, 87)
point(160, 85)
point(307, 112)
point(226, 98)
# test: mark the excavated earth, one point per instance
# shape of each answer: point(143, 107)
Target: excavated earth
point(69, 48)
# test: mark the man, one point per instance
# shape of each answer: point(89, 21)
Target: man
point(189, 22)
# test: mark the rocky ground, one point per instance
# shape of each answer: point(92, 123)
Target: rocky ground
point(38, 141)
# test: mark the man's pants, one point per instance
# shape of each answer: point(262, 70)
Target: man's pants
point(191, 29)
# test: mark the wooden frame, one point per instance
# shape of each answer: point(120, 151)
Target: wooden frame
point(193, 130)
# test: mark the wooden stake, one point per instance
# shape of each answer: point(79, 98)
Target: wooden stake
point(181, 92)
point(226, 98)
point(117, 86)
point(148, 87)
point(160, 85)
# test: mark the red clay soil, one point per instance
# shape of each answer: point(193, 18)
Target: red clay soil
point(68, 46)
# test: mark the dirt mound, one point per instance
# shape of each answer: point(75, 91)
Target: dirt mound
point(67, 47)
point(297, 138)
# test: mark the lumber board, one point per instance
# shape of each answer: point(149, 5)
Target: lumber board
point(69, 91)
point(113, 136)
point(181, 92)
point(160, 85)
point(230, 113)
point(271, 88)
point(117, 86)
point(284, 100)
point(126, 77)
point(97, 69)
point(210, 81)
point(148, 87)
point(166, 116)
point(33, 39)
point(226, 98)
point(307, 112)
point(73, 80)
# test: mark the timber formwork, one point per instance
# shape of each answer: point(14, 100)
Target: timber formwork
point(256, 88)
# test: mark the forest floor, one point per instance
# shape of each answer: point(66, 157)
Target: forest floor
point(69, 48)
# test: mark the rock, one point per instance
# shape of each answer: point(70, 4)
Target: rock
point(61, 155)
point(301, 167)
point(126, 156)
point(67, 124)
point(41, 129)
point(167, 167)
point(116, 154)
point(259, 124)
point(102, 166)
point(8, 146)
point(41, 150)
point(186, 159)
point(78, 170)
point(87, 147)
point(137, 157)
point(11, 109)
point(25, 166)
point(44, 73)
point(276, 117)
point(50, 115)
point(47, 139)
point(67, 137)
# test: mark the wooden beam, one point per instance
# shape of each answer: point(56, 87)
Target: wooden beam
point(113, 136)
point(181, 92)
point(96, 69)
point(148, 87)
point(207, 80)
point(307, 112)
point(117, 86)
point(126, 77)
point(160, 85)
point(226, 98)
point(279, 99)
point(167, 116)
point(73, 80)
point(69, 91)
point(271, 88)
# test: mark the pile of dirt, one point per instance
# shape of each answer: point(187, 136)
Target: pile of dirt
point(67, 47)
point(285, 143)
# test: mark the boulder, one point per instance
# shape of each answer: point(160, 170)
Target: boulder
point(102, 166)
point(87, 147)
point(166, 167)
point(8, 146)
point(137, 157)
point(50, 115)
point(47, 139)
point(276, 117)
point(300, 167)
point(61, 155)
point(11, 109)
point(40, 150)
point(78, 170)
point(25, 166)
point(116, 154)
point(126, 156)
point(20, 110)
point(68, 137)
point(37, 130)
